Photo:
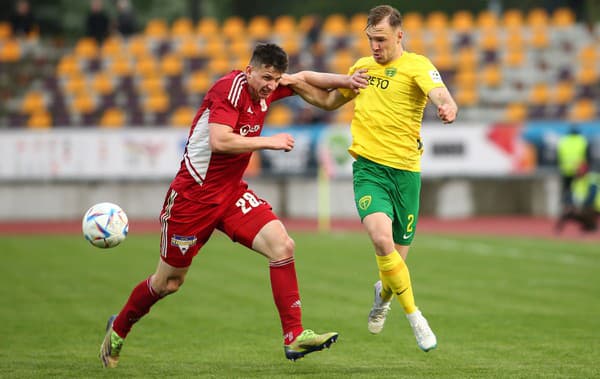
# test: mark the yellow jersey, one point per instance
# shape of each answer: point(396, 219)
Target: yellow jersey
point(386, 127)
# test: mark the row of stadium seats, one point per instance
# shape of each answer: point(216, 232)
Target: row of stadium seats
point(507, 67)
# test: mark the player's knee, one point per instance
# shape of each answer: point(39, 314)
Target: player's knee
point(284, 249)
point(382, 241)
point(171, 285)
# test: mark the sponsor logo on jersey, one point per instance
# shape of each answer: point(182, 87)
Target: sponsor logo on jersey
point(364, 202)
point(390, 71)
point(247, 129)
point(183, 242)
point(263, 105)
point(435, 76)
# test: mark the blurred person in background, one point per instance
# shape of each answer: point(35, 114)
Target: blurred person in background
point(126, 21)
point(97, 23)
point(572, 154)
point(22, 20)
point(209, 193)
point(387, 148)
point(585, 206)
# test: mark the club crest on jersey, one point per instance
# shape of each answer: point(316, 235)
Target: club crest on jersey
point(183, 242)
point(364, 202)
point(263, 105)
point(247, 129)
point(390, 71)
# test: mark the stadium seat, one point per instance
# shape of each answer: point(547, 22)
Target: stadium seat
point(563, 92)
point(540, 38)
point(198, 82)
point(75, 85)
point(515, 112)
point(279, 116)
point(68, 66)
point(111, 47)
point(219, 66)
point(103, 83)
point(34, 101)
point(437, 21)
point(240, 47)
point(291, 44)
point(10, 51)
point(121, 66)
point(86, 48)
point(156, 29)
point(514, 40)
point(467, 59)
point(444, 61)
point(358, 23)
point(487, 21)
point(539, 94)
point(588, 55)
point(259, 28)
point(171, 65)
point(583, 110)
point(157, 102)
point(537, 18)
point(335, 25)
point(183, 116)
point(207, 26)
point(412, 21)
point(489, 40)
point(188, 48)
point(113, 118)
point(341, 61)
point(150, 84)
point(467, 96)
point(587, 75)
point(182, 27)
point(491, 76)
point(5, 30)
point(146, 65)
point(512, 20)
point(462, 22)
point(284, 26)
point(233, 27)
point(563, 18)
point(83, 103)
point(513, 58)
point(138, 46)
point(413, 42)
point(40, 120)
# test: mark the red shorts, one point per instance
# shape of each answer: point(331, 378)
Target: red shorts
point(187, 225)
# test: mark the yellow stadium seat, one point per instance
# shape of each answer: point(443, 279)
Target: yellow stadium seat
point(171, 65)
point(514, 40)
point(5, 30)
point(213, 47)
point(33, 101)
point(588, 55)
point(491, 76)
point(444, 60)
point(234, 27)
point(583, 110)
point(412, 21)
point(413, 42)
point(284, 26)
point(437, 21)
point(563, 17)
point(465, 78)
point(341, 61)
point(239, 47)
point(86, 48)
point(207, 27)
point(157, 102)
point(512, 19)
point(563, 92)
point(537, 17)
point(467, 96)
point(487, 20)
point(182, 27)
point(151, 84)
point(146, 65)
point(157, 29)
point(113, 118)
point(335, 25)
point(514, 58)
point(76, 85)
point(307, 22)
point(358, 23)
point(279, 115)
point(259, 28)
point(467, 59)
point(68, 66)
point(539, 94)
point(121, 66)
point(183, 116)
point(462, 22)
point(198, 82)
point(587, 75)
point(40, 120)
point(103, 83)
point(111, 47)
point(138, 46)
point(188, 48)
point(219, 66)
point(489, 40)
point(291, 44)
point(540, 38)
point(515, 112)
point(83, 103)
point(10, 51)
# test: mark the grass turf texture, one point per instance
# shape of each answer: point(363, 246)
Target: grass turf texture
point(501, 307)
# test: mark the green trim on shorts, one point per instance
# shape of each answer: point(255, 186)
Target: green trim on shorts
point(379, 188)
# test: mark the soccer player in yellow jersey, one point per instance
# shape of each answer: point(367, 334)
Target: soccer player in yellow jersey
point(387, 148)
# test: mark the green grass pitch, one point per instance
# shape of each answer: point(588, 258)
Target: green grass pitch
point(501, 307)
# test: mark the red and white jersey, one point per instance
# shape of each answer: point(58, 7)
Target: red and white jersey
point(209, 177)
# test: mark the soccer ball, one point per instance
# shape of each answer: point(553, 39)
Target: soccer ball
point(105, 225)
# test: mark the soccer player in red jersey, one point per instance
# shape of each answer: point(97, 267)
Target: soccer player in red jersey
point(209, 193)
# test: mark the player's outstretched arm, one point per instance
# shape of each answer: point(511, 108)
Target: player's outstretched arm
point(224, 140)
point(446, 106)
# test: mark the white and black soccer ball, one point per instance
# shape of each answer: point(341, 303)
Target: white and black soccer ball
point(105, 225)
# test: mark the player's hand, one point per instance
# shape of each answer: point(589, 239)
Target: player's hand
point(359, 80)
point(283, 141)
point(447, 113)
point(286, 79)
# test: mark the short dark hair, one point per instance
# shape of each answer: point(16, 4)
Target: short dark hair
point(270, 55)
point(380, 12)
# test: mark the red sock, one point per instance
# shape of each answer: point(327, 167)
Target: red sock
point(140, 301)
point(287, 299)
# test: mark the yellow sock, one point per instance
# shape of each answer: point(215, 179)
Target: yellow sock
point(395, 275)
